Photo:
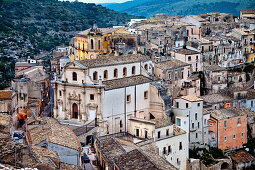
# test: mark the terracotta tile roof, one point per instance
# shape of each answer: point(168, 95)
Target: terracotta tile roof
point(46, 156)
point(191, 98)
point(5, 94)
point(55, 133)
point(227, 113)
point(171, 64)
point(242, 156)
point(186, 51)
point(161, 122)
point(127, 155)
point(216, 98)
point(113, 60)
point(134, 160)
point(125, 82)
point(251, 94)
point(5, 122)
point(65, 166)
point(177, 131)
point(35, 73)
point(214, 68)
point(152, 153)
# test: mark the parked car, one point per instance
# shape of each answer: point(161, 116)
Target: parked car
point(17, 135)
point(85, 158)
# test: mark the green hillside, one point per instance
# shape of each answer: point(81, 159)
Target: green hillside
point(181, 7)
point(34, 26)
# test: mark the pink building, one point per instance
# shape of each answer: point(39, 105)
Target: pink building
point(189, 56)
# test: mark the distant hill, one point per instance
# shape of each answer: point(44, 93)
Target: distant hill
point(33, 26)
point(148, 8)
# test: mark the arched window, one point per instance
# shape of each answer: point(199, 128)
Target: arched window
point(133, 70)
point(146, 66)
point(92, 43)
point(124, 71)
point(115, 74)
point(105, 74)
point(74, 76)
point(95, 75)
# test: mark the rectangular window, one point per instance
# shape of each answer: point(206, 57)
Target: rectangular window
point(239, 121)
point(92, 97)
point(167, 132)
point(234, 137)
point(146, 134)
point(242, 135)
point(121, 125)
point(192, 125)
point(196, 135)
point(198, 105)
point(137, 132)
point(60, 93)
point(158, 134)
point(198, 124)
point(251, 103)
point(180, 146)
point(189, 58)
point(169, 149)
point(178, 122)
point(182, 75)
point(187, 105)
point(146, 95)
point(164, 150)
point(225, 124)
point(128, 98)
point(225, 138)
point(177, 104)
point(195, 116)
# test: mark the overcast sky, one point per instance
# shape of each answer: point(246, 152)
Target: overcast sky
point(102, 1)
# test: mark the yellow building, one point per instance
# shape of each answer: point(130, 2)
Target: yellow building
point(247, 42)
point(251, 46)
point(90, 43)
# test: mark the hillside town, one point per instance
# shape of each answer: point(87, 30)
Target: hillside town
point(159, 93)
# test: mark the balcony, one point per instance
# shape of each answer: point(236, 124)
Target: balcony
point(251, 52)
point(252, 42)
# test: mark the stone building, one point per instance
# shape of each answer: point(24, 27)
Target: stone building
point(188, 55)
point(189, 110)
point(90, 43)
point(170, 140)
point(215, 78)
point(247, 44)
point(107, 90)
point(8, 101)
point(177, 78)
